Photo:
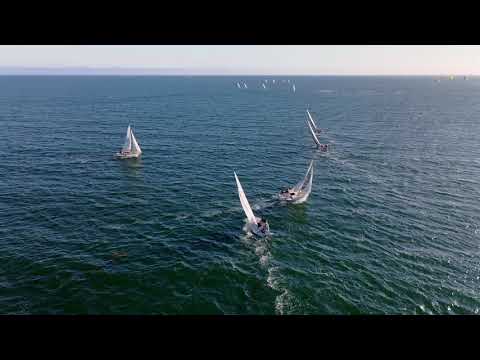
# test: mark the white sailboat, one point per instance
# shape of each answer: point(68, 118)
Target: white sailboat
point(300, 192)
point(252, 220)
point(130, 148)
point(238, 85)
point(245, 86)
point(314, 126)
point(264, 86)
point(293, 87)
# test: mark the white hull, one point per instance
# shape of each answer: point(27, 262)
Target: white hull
point(300, 198)
point(126, 156)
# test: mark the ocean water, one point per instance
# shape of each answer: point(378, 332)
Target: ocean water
point(392, 225)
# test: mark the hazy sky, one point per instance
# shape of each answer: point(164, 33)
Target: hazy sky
point(329, 60)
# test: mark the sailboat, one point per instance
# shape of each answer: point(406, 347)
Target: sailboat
point(263, 85)
point(314, 126)
point(238, 85)
point(130, 148)
point(300, 192)
point(293, 87)
point(245, 85)
point(252, 220)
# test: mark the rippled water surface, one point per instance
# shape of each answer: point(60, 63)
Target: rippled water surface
point(392, 224)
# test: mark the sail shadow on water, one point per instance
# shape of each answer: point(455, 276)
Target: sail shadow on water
point(132, 167)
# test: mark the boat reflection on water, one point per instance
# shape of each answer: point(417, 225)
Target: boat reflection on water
point(132, 166)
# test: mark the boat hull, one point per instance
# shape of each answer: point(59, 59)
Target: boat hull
point(120, 156)
point(294, 200)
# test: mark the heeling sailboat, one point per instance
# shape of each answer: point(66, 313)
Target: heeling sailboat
point(130, 148)
point(252, 220)
point(300, 192)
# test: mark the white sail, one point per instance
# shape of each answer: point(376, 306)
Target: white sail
point(300, 185)
point(127, 146)
point(245, 205)
point(301, 190)
point(263, 85)
point(305, 192)
point(245, 86)
point(314, 136)
point(293, 87)
point(311, 120)
point(238, 85)
point(135, 147)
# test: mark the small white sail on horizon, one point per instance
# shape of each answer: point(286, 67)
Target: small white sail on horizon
point(264, 86)
point(245, 85)
point(251, 218)
point(238, 85)
point(293, 87)
point(130, 148)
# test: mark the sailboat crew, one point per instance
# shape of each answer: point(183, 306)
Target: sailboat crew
point(262, 225)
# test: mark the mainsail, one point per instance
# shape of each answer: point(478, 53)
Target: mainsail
point(293, 87)
point(245, 205)
point(314, 136)
point(311, 120)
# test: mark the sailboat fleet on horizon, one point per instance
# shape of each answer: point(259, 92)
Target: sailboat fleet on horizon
point(264, 83)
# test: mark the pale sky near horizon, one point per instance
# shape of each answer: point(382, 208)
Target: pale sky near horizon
point(258, 59)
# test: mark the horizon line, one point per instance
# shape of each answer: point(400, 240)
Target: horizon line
point(146, 71)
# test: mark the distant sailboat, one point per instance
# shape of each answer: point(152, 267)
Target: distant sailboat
point(273, 81)
point(264, 86)
point(130, 148)
point(238, 85)
point(252, 220)
point(300, 192)
point(245, 86)
point(293, 87)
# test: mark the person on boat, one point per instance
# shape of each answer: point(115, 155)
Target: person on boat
point(262, 225)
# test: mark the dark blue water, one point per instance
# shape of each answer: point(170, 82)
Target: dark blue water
point(392, 224)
